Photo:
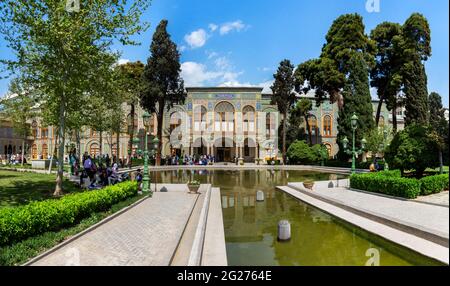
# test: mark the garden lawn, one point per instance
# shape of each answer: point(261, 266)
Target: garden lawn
point(19, 188)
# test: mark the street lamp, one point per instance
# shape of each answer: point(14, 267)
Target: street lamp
point(146, 180)
point(155, 144)
point(354, 152)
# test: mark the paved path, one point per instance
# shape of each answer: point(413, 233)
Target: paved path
point(427, 217)
point(438, 199)
point(146, 235)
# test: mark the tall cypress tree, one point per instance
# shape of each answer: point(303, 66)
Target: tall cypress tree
point(163, 85)
point(416, 47)
point(357, 100)
point(416, 92)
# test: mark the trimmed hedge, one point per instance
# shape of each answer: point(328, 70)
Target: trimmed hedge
point(434, 184)
point(386, 183)
point(18, 223)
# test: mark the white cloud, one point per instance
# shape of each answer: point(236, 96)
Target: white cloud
point(213, 27)
point(183, 48)
point(123, 61)
point(211, 54)
point(222, 63)
point(230, 26)
point(196, 39)
point(195, 74)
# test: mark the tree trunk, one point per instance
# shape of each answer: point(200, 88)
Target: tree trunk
point(53, 155)
point(377, 117)
point(61, 139)
point(284, 137)
point(160, 118)
point(117, 144)
point(23, 150)
point(441, 163)
point(308, 128)
point(130, 142)
point(394, 119)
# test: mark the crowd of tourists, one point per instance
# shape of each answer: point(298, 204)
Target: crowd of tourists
point(12, 159)
point(190, 160)
point(96, 171)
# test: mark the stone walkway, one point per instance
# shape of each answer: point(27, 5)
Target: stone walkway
point(438, 199)
point(145, 235)
point(425, 217)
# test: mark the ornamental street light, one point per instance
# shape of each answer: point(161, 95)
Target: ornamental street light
point(146, 180)
point(155, 144)
point(354, 152)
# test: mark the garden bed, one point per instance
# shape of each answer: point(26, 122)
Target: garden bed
point(19, 223)
point(391, 183)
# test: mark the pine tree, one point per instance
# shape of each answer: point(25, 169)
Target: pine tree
point(163, 86)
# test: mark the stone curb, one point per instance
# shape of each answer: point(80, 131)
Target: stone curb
point(417, 230)
point(195, 257)
point(84, 232)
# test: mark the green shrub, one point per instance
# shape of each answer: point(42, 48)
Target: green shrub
point(386, 183)
point(434, 184)
point(18, 223)
point(300, 153)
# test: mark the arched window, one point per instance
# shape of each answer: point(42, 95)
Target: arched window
point(34, 151)
point(132, 123)
point(224, 117)
point(327, 126)
point(34, 129)
point(270, 125)
point(249, 119)
point(44, 132)
point(94, 150)
point(312, 121)
point(175, 121)
point(329, 149)
point(200, 118)
point(44, 151)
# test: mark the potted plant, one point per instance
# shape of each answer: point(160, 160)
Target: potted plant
point(193, 186)
point(309, 184)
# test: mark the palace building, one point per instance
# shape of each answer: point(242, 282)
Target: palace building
point(226, 122)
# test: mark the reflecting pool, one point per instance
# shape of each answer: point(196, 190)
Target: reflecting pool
point(317, 238)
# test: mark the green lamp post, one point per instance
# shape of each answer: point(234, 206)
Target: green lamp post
point(146, 180)
point(155, 144)
point(354, 152)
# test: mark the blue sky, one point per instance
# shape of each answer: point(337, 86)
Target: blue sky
point(241, 42)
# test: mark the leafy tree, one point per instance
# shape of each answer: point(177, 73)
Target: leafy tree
point(439, 124)
point(321, 153)
point(302, 109)
point(299, 152)
point(377, 140)
point(413, 148)
point(62, 53)
point(283, 95)
point(357, 100)
point(416, 48)
point(132, 85)
point(385, 75)
point(163, 85)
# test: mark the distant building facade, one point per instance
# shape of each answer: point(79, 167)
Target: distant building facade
point(226, 122)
